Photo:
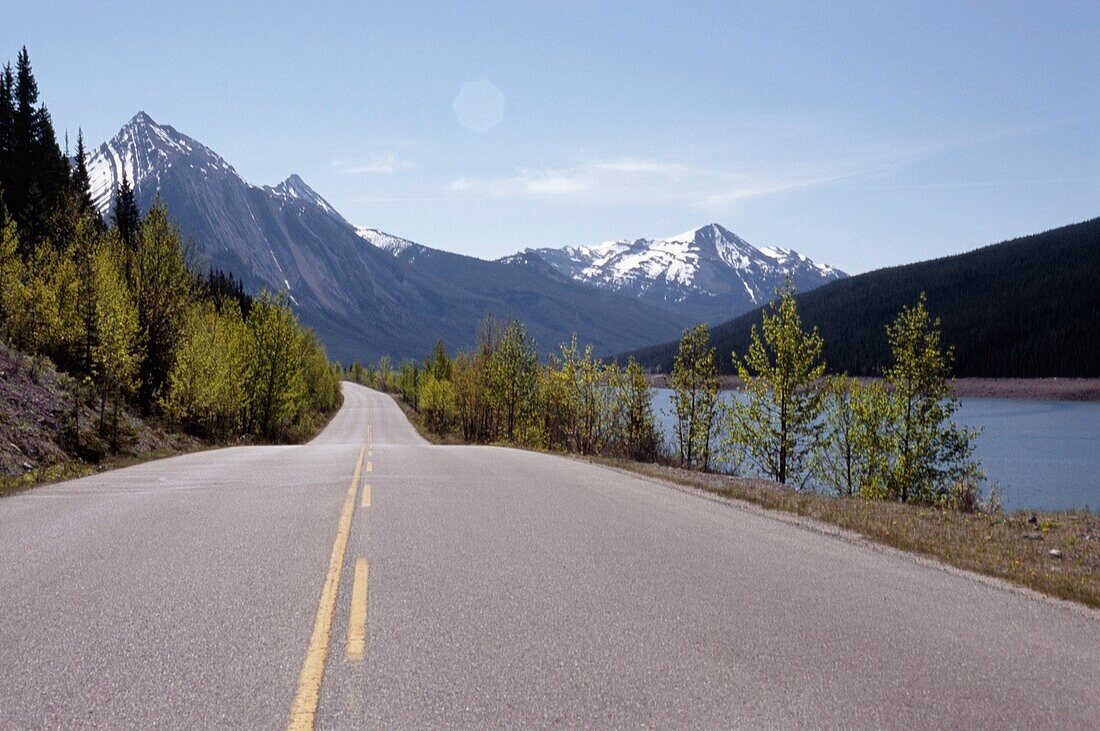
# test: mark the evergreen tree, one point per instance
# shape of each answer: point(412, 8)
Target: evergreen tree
point(777, 421)
point(7, 124)
point(695, 397)
point(127, 218)
point(82, 184)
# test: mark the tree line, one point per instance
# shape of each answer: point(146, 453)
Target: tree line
point(888, 439)
point(1026, 308)
point(114, 304)
point(893, 438)
point(501, 392)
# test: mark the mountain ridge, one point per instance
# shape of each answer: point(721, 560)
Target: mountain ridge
point(362, 301)
point(1026, 307)
point(708, 271)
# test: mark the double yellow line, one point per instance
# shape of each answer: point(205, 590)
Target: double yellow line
point(303, 711)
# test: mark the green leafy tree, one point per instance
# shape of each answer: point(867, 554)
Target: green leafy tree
point(437, 402)
point(114, 354)
point(512, 379)
point(695, 397)
point(777, 420)
point(164, 290)
point(274, 381)
point(206, 384)
point(932, 453)
point(640, 439)
point(11, 274)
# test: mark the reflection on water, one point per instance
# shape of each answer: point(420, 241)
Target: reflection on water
point(1043, 455)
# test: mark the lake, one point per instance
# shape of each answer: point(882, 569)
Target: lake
point(1043, 455)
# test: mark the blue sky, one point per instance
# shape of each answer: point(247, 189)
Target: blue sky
point(861, 134)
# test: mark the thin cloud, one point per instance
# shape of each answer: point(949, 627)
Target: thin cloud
point(634, 165)
point(645, 181)
point(526, 184)
point(384, 163)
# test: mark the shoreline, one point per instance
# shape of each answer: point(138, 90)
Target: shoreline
point(1017, 389)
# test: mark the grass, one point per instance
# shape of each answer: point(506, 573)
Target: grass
point(1006, 546)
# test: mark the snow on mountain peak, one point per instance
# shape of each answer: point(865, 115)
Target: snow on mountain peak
point(142, 151)
point(708, 261)
point(145, 152)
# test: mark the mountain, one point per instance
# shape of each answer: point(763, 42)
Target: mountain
point(551, 303)
point(1029, 307)
point(708, 272)
point(362, 301)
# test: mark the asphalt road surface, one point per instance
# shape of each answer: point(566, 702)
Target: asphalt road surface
point(481, 587)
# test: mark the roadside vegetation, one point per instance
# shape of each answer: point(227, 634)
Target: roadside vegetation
point(114, 306)
point(884, 459)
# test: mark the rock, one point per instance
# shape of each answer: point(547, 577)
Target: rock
point(1055, 553)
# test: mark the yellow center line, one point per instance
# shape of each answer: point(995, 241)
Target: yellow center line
point(366, 496)
point(370, 466)
point(304, 709)
point(357, 619)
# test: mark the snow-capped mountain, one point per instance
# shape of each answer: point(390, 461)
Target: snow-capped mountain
point(145, 152)
point(708, 270)
point(390, 297)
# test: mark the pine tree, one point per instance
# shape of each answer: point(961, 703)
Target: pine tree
point(33, 172)
point(695, 397)
point(776, 423)
point(7, 124)
point(82, 184)
point(127, 218)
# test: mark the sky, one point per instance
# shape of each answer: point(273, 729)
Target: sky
point(860, 134)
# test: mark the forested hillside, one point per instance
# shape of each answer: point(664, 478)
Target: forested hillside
point(114, 305)
point(1029, 307)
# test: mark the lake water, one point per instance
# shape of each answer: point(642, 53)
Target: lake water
point(1043, 455)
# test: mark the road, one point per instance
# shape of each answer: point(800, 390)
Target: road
point(481, 587)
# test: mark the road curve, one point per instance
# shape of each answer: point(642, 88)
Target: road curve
point(488, 587)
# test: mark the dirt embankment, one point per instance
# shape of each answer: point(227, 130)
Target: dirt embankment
point(1038, 389)
point(45, 421)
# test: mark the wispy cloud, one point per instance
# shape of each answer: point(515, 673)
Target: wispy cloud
point(621, 180)
point(548, 183)
point(722, 199)
point(635, 165)
point(383, 163)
